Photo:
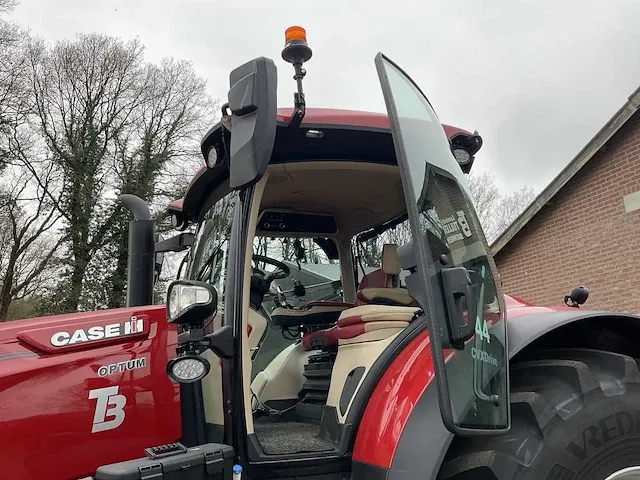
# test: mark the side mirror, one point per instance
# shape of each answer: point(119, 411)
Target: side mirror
point(191, 302)
point(253, 106)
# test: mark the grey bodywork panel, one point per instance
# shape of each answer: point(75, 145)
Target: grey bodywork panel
point(527, 328)
point(425, 440)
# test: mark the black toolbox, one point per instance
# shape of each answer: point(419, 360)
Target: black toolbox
point(211, 461)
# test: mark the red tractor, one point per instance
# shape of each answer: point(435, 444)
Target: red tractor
point(285, 352)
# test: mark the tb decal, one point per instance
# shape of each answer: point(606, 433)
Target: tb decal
point(109, 412)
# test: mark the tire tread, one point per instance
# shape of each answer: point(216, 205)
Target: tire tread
point(576, 371)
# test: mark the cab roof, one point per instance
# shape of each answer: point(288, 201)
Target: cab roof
point(356, 118)
point(351, 135)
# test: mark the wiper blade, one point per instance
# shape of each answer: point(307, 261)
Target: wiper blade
point(207, 263)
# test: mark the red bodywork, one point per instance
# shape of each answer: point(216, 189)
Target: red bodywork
point(46, 415)
point(342, 117)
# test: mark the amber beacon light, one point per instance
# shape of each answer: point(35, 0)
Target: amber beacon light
point(295, 33)
point(296, 51)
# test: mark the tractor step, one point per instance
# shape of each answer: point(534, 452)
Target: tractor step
point(315, 390)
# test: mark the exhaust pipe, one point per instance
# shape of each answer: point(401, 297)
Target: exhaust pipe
point(141, 260)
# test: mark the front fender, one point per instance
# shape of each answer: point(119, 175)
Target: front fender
point(524, 330)
point(412, 434)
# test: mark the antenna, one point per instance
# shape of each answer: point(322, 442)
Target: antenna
point(296, 51)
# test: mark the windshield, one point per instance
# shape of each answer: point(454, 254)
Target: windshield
point(313, 276)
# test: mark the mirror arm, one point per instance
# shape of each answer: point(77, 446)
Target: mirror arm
point(177, 243)
point(221, 342)
point(299, 103)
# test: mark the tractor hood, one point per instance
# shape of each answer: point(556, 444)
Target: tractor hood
point(77, 331)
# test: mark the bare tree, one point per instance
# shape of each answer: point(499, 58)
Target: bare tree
point(496, 210)
point(110, 123)
point(8, 31)
point(160, 142)
point(7, 5)
point(84, 92)
point(173, 112)
point(13, 86)
point(29, 239)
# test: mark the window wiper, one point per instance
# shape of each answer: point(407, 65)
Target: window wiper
point(207, 263)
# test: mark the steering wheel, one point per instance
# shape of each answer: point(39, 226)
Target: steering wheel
point(261, 282)
point(282, 270)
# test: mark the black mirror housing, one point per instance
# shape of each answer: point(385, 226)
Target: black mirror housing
point(253, 105)
point(191, 302)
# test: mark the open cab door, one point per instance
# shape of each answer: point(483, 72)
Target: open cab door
point(453, 275)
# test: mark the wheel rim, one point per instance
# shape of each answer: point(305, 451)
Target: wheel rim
point(631, 473)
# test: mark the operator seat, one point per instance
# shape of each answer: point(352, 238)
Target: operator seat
point(363, 332)
point(382, 308)
point(382, 286)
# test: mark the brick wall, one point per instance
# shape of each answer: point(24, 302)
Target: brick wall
point(584, 236)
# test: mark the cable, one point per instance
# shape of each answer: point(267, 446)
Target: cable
point(289, 335)
point(272, 411)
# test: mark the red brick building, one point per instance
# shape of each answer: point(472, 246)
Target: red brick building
point(584, 228)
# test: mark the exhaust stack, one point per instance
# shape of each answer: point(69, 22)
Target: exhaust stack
point(141, 261)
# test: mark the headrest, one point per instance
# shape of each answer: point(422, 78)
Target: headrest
point(390, 261)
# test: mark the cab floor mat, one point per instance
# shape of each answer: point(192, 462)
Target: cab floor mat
point(281, 438)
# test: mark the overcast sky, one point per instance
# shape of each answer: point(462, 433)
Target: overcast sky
point(536, 79)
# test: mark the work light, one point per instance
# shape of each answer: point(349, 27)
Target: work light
point(462, 156)
point(190, 301)
point(212, 157)
point(188, 368)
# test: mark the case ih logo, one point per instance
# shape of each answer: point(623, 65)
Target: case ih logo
point(100, 332)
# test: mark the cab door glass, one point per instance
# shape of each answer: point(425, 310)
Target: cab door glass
point(476, 371)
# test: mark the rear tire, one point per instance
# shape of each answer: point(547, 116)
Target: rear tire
point(575, 415)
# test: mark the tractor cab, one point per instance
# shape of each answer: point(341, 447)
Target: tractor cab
point(326, 241)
